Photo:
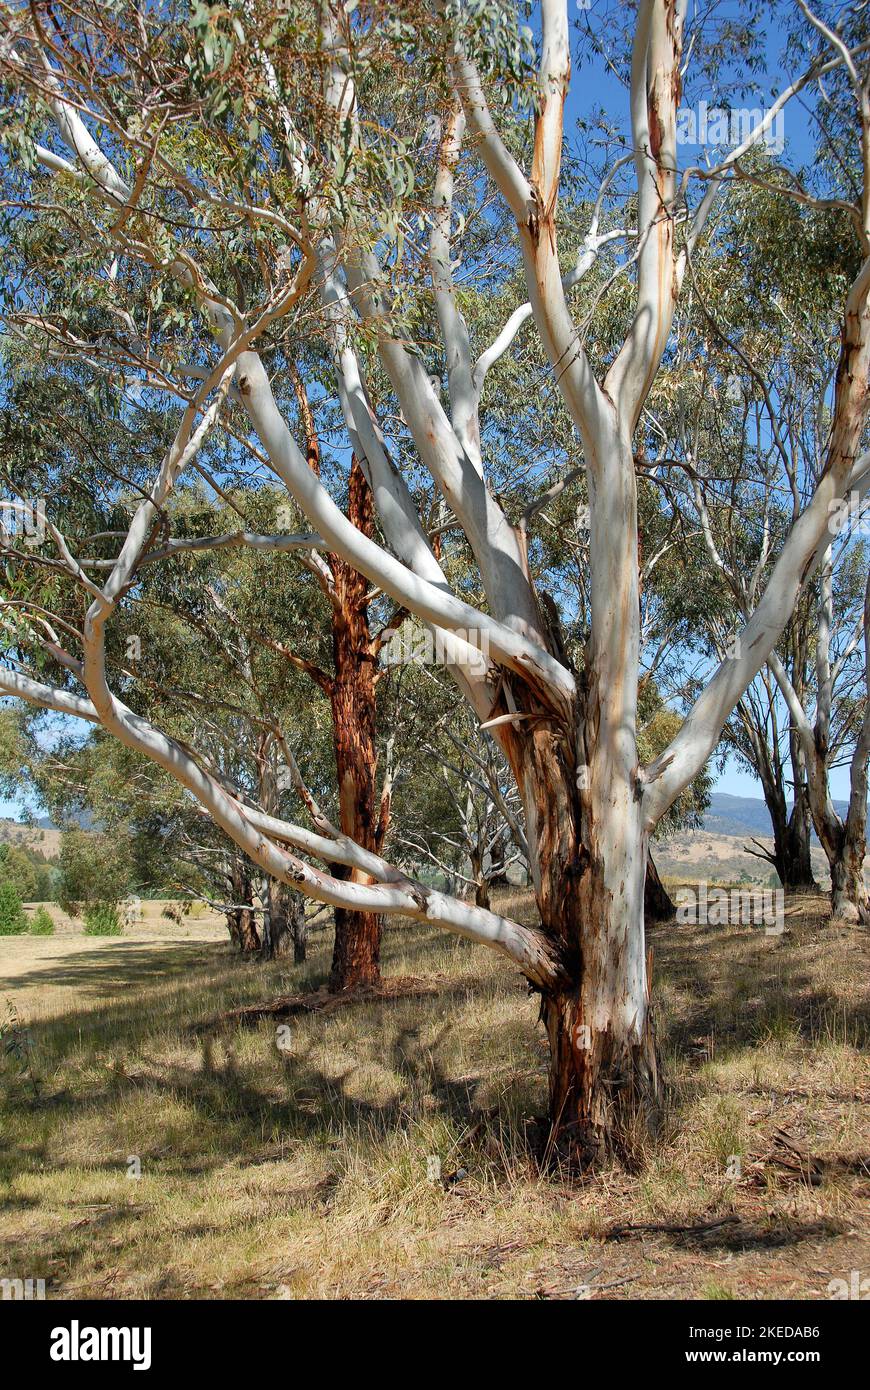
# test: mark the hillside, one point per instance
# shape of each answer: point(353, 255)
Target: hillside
point(703, 855)
point(44, 838)
point(743, 815)
point(717, 852)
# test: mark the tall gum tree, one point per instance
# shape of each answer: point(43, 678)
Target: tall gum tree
point(753, 445)
point(135, 193)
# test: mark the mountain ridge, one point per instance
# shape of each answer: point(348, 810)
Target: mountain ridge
point(744, 815)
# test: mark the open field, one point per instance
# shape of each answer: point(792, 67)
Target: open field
point(303, 1172)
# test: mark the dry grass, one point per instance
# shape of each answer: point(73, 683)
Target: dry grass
point(302, 1173)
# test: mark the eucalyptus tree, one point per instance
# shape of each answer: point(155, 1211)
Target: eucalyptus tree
point(189, 203)
point(750, 425)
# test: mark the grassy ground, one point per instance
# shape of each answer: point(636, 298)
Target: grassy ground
point(300, 1170)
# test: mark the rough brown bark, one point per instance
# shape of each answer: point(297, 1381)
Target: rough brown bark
point(605, 1098)
point(356, 956)
point(351, 692)
point(299, 929)
point(481, 882)
point(284, 928)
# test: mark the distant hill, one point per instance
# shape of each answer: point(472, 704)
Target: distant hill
point(43, 836)
point(743, 815)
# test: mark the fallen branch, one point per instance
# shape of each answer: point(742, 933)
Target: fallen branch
point(618, 1232)
point(320, 1001)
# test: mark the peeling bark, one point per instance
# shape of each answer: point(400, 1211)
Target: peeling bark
point(356, 956)
point(588, 856)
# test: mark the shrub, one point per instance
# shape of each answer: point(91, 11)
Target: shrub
point(101, 919)
point(42, 923)
point(12, 918)
point(18, 869)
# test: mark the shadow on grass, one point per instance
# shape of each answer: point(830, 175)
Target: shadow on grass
point(745, 988)
point(218, 1106)
point(238, 1105)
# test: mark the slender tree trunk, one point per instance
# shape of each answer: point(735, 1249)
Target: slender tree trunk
point(351, 692)
point(356, 957)
point(298, 928)
point(241, 920)
point(844, 842)
point(284, 927)
point(796, 873)
point(774, 795)
point(284, 920)
point(850, 900)
point(479, 878)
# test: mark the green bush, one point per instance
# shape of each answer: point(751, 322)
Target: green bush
point(95, 870)
point(42, 923)
point(101, 919)
point(12, 918)
point(30, 873)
